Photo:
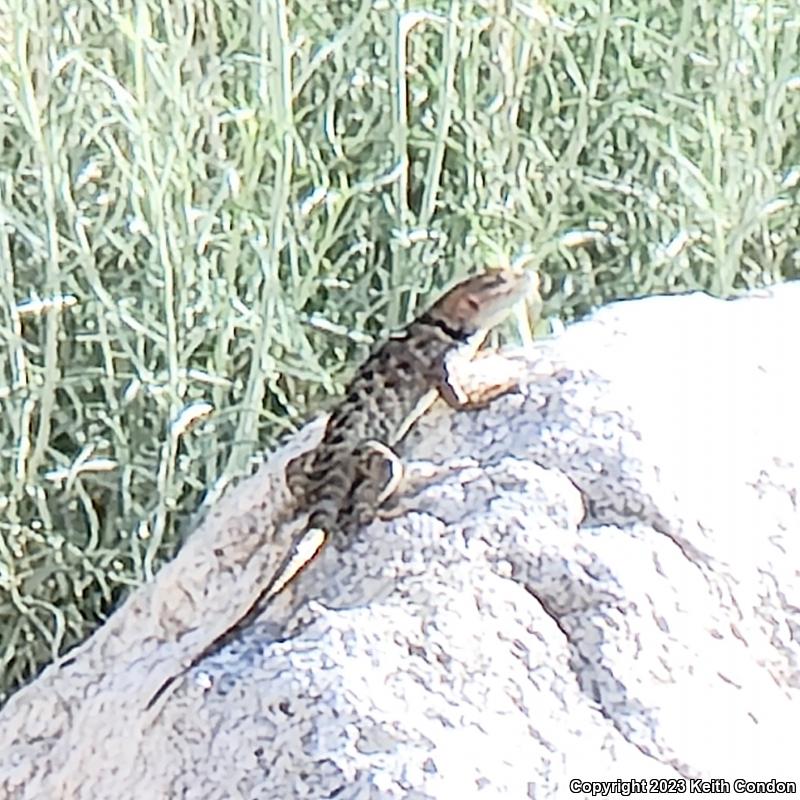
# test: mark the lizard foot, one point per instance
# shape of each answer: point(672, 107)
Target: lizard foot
point(475, 384)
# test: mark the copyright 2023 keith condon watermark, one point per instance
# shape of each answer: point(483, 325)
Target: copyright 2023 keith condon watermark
point(680, 786)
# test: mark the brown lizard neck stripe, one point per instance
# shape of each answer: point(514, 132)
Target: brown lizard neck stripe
point(453, 333)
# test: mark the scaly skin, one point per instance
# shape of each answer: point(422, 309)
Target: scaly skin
point(391, 390)
point(396, 385)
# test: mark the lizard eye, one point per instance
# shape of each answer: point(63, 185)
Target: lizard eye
point(473, 303)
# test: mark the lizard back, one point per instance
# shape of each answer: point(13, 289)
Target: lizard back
point(392, 383)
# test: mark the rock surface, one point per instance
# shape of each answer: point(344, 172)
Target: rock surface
point(597, 578)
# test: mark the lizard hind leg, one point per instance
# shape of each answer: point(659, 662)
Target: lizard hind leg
point(378, 474)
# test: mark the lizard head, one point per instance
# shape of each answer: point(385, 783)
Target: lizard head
point(481, 302)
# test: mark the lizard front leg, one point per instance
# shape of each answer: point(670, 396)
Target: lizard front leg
point(475, 383)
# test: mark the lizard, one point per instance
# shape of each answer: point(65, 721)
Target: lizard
point(337, 480)
point(394, 388)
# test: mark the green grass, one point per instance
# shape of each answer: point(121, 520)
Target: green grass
point(208, 209)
